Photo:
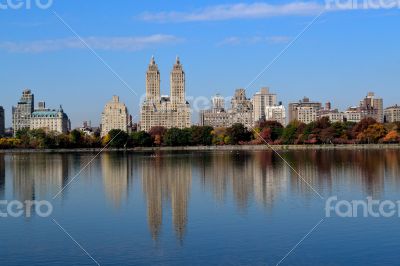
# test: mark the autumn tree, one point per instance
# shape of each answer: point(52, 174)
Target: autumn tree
point(238, 133)
point(392, 137)
point(372, 134)
point(157, 133)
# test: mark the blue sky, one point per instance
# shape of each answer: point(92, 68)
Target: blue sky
point(223, 45)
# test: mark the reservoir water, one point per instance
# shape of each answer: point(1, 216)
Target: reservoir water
point(198, 208)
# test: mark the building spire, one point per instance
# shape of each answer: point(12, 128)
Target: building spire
point(177, 60)
point(152, 61)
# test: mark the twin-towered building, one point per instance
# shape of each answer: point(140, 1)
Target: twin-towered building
point(157, 109)
point(166, 111)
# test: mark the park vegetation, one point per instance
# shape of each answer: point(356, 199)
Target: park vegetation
point(368, 131)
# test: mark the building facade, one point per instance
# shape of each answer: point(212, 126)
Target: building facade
point(304, 111)
point(2, 121)
point(276, 113)
point(241, 112)
point(216, 117)
point(372, 106)
point(166, 111)
point(334, 115)
point(50, 120)
point(242, 109)
point(114, 116)
point(392, 114)
point(21, 113)
point(261, 100)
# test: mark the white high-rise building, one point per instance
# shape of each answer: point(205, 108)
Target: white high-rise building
point(114, 116)
point(261, 100)
point(276, 113)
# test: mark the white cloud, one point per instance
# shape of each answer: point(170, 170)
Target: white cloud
point(261, 10)
point(97, 43)
point(234, 41)
point(279, 39)
point(237, 11)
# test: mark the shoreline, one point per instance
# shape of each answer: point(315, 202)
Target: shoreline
point(215, 148)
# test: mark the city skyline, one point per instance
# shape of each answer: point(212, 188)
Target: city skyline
point(338, 59)
point(160, 110)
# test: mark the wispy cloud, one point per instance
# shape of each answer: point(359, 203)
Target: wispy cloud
point(235, 41)
point(237, 11)
point(98, 43)
point(260, 10)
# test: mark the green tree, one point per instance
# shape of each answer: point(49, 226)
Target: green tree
point(177, 137)
point(201, 135)
point(238, 133)
point(117, 138)
point(76, 138)
point(290, 133)
point(141, 139)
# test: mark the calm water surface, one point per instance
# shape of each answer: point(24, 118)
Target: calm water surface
point(199, 208)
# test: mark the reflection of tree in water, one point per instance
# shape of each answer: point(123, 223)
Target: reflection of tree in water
point(262, 175)
point(325, 168)
point(167, 179)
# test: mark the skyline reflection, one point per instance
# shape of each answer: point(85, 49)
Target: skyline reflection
point(166, 180)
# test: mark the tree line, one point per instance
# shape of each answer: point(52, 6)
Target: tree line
point(368, 131)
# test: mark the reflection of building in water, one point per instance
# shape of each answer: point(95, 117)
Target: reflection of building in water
point(247, 174)
point(323, 169)
point(2, 176)
point(270, 177)
point(392, 166)
point(167, 179)
point(38, 175)
point(116, 171)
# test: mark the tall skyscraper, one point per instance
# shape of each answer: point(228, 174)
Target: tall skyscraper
point(261, 100)
point(165, 111)
point(153, 83)
point(2, 121)
point(114, 116)
point(22, 112)
point(177, 81)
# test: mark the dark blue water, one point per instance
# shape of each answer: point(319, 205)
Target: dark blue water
point(199, 208)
